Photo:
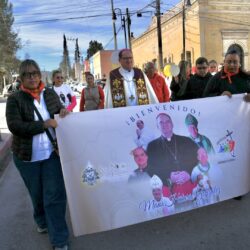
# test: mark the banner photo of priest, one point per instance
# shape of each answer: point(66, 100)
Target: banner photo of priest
point(127, 165)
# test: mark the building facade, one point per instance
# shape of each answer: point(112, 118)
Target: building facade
point(102, 62)
point(211, 27)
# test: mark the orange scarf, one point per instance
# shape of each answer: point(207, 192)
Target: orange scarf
point(228, 75)
point(35, 93)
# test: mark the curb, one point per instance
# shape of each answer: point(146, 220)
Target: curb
point(5, 151)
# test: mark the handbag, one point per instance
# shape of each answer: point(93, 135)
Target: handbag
point(52, 140)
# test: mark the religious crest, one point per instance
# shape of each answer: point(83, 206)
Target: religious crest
point(90, 175)
point(227, 144)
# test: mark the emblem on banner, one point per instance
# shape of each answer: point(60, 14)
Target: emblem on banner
point(226, 144)
point(90, 175)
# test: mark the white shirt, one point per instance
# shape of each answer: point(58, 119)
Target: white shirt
point(145, 137)
point(41, 145)
point(199, 170)
point(130, 89)
point(63, 92)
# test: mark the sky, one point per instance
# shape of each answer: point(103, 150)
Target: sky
point(41, 25)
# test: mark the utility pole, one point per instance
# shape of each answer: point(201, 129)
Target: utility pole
point(129, 24)
point(114, 28)
point(158, 18)
point(186, 3)
point(183, 32)
point(125, 33)
point(123, 23)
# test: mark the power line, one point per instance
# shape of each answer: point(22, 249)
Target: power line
point(73, 11)
point(62, 19)
point(106, 45)
point(69, 18)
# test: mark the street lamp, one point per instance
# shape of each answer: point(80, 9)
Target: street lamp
point(159, 33)
point(123, 22)
point(186, 3)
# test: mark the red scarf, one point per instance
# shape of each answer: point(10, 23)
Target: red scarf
point(228, 75)
point(35, 93)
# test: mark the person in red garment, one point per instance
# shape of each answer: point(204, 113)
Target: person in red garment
point(158, 83)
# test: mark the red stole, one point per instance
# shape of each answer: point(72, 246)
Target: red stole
point(228, 75)
point(35, 93)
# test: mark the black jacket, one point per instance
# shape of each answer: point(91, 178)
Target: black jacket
point(20, 120)
point(165, 157)
point(220, 83)
point(196, 86)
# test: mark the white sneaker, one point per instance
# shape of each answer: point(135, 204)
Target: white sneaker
point(62, 248)
point(42, 230)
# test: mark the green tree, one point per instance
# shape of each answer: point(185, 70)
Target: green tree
point(94, 46)
point(9, 41)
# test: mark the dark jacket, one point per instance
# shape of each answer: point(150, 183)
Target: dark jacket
point(20, 120)
point(177, 89)
point(220, 83)
point(196, 86)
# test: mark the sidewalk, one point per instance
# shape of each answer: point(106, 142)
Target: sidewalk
point(5, 153)
point(5, 138)
point(225, 225)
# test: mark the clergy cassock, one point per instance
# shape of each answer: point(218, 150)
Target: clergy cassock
point(128, 88)
point(166, 156)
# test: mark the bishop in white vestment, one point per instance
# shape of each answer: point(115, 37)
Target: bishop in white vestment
point(128, 86)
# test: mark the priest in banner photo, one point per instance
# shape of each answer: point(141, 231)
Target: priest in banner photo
point(127, 85)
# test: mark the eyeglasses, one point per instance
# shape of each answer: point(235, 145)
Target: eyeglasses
point(127, 58)
point(31, 74)
point(200, 68)
point(232, 62)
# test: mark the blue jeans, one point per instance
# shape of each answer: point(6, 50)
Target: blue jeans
point(44, 181)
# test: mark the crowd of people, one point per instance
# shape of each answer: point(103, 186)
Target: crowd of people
point(30, 117)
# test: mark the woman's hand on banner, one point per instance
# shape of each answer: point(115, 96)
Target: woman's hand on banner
point(227, 93)
point(246, 98)
point(50, 123)
point(63, 113)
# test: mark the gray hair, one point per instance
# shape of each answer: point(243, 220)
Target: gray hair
point(148, 65)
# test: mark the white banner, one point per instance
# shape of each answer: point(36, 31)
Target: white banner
point(128, 165)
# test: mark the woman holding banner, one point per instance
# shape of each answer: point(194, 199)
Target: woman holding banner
point(29, 114)
point(230, 80)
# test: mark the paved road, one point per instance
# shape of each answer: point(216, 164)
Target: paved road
point(217, 227)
